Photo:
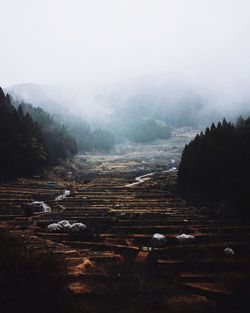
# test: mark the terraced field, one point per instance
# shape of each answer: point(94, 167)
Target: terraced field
point(113, 267)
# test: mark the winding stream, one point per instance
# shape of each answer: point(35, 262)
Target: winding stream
point(141, 179)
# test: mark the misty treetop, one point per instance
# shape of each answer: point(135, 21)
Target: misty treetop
point(215, 167)
point(139, 128)
point(147, 130)
point(60, 145)
point(31, 140)
point(67, 127)
point(103, 140)
point(87, 139)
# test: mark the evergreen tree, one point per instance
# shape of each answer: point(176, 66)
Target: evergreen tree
point(215, 166)
point(29, 145)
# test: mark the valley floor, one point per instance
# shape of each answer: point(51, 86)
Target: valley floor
point(113, 268)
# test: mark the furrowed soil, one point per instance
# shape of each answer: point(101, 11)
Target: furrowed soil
point(113, 267)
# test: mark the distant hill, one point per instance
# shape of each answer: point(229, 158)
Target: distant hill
point(121, 107)
point(60, 121)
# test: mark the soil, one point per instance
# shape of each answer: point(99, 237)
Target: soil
point(114, 266)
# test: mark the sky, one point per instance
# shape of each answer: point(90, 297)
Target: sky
point(95, 42)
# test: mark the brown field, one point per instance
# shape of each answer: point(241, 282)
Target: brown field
point(111, 268)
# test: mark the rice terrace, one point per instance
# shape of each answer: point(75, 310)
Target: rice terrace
point(118, 263)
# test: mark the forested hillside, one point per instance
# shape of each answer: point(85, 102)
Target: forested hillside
point(59, 143)
point(149, 130)
point(87, 139)
point(26, 146)
point(215, 167)
point(60, 129)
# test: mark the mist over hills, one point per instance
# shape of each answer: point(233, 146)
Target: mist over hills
point(38, 95)
point(171, 101)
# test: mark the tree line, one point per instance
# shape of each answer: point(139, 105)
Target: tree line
point(215, 167)
point(147, 130)
point(31, 140)
point(60, 145)
point(87, 139)
point(28, 146)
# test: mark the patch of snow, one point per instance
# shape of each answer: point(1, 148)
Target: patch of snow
point(54, 227)
point(65, 224)
point(229, 251)
point(159, 236)
point(77, 227)
point(37, 202)
point(46, 208)
point(65, 193)
point(173, 169)
point(158, 240)
point(184, 237)
point(59, 198)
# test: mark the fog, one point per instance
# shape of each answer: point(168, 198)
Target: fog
point(95, 56)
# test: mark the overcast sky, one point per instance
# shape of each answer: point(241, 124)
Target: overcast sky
point(86, 42)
